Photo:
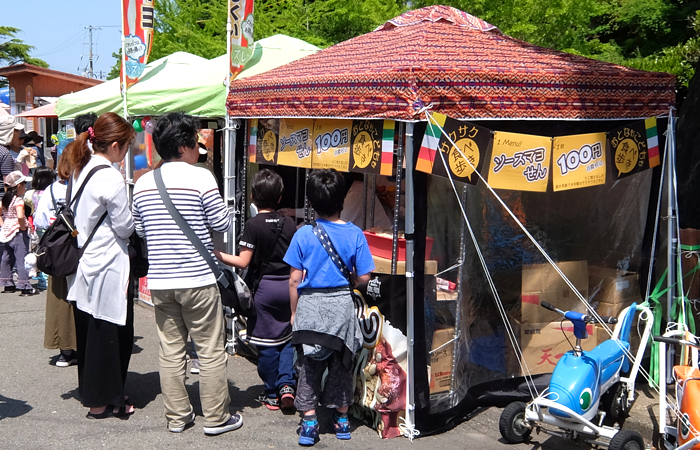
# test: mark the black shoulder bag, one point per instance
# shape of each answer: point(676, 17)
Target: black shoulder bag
point(58, 253)
point(234, 292)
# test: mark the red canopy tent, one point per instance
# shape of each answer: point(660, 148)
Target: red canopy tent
point(462, 65)
point(464, 68)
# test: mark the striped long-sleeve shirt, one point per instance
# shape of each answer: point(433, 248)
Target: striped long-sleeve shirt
point(174, 263)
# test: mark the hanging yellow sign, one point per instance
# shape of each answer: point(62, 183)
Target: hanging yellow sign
point(295, 142)
point(579, 161)
point(331, 144)
point(520, 162)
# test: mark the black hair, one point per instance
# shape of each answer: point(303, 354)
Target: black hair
point(10, 194)
point(326, 191)
point(83, 122)
point(42, 177)
point(175, 130)
point(266, 187)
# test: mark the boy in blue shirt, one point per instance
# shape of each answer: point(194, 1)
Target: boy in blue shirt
point(325, 329)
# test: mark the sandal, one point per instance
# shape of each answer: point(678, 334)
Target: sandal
point(109, 411)
point(121, 413)
point(103, 415)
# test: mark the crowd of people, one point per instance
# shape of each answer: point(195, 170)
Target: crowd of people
point(300, 278)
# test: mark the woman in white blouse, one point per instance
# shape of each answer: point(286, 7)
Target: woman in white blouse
point(103, 312)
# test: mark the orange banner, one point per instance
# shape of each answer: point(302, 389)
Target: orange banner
point(241, 16)
point(137, 26)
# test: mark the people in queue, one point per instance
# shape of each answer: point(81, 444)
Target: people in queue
point(14, 235)
point(183, 287)
point(262, 252)
point(41, 179)
point(103, 313)
point(59, 323)
point(326, 332)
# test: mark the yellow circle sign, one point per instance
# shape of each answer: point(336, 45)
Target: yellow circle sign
point(626, 155)
point(362, 149)
point(269, 145)
point(458, 164)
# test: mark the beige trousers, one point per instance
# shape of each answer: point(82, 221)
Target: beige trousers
point(59, 327)
point(197, 312)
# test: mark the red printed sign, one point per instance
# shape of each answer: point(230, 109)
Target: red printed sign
point(137, 26)
point(241, 16)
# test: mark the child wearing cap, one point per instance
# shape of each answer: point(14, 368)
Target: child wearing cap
point(14, 235)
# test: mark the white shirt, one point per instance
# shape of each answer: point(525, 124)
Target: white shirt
point(100, 284)
point(45, 213)
point(352, 208)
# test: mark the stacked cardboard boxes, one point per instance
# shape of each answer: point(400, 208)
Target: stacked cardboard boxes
point(544, 338)
point(441, 360)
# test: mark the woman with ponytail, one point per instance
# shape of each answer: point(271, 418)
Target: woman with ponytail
point(104, 319)
point(14, 235)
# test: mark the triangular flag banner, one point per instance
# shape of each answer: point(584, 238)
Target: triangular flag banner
point(634, 148)
point(471, 141)
point(520, 162)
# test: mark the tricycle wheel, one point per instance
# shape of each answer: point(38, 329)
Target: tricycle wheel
point(626, 440)
point(512, 425)
point(614, 403)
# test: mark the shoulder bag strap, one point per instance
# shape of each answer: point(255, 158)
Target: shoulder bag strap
point(322, 236)
point(53, 199)
point(278, 232)
point(77, 196)
point(187, 230)
point(70, 201)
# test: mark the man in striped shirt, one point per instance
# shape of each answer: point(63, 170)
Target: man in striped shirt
point(183, 287)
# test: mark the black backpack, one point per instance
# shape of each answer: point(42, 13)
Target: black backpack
point(58, 253)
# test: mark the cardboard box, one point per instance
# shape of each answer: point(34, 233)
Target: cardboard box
point(691, 283)
point(383, 265)
point(612, 309)
point(441, 361)
point(613, 286)
point(540, 282)
point(543, 344)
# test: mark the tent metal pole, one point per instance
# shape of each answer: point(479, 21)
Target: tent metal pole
point(397, 198)
point(671, 236)
point(229, 160)
point(458, 301)
point(409, 230)
point(128, 159)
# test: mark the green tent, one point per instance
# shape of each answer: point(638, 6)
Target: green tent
point(182, 82)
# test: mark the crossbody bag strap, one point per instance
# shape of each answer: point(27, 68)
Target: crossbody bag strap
point(186, 229)
point(53, 199)
point(278, 232)
point(326, 243)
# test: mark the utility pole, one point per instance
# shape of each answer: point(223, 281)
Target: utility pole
point(90, 71)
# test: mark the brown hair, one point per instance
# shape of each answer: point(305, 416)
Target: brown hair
point(63, 168)
point(108, 128)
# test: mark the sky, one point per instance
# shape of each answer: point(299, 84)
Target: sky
point(56, 28)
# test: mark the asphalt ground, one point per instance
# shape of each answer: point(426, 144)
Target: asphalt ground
point(39, 408)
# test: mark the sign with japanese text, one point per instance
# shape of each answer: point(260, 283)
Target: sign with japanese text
point(295, 142)
point(463, 159)
point(366, 146)
point(633, 148)
point(520, 162)
point(579, 161)
point(241, 17)
point(137, 26)
point(331, 144)
point(267, 141)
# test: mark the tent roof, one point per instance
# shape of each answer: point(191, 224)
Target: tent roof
point(463, 66)
point(182, 82)
point(43, 111)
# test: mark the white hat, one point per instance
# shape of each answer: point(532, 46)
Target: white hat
point(8, 125)
point(15, 178)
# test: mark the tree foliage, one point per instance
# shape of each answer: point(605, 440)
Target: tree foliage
point(15, 51)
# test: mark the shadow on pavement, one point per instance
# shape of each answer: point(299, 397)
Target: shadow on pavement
point(10, 407)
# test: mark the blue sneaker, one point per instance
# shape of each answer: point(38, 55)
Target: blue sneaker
point(342, 427)
point(308, 435)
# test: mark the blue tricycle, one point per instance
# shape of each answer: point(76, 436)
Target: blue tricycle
point(587, 394)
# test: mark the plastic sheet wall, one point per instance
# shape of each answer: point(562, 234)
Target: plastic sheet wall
point(605, 226)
